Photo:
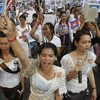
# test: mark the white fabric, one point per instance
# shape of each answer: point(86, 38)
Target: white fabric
point(68, 64)
point(10, 80)
point(43, 86)
point(26, 31)
point(57, 20)
point(55, 40)
point(70, 31)
point(24, 46)
point(71, 17)
point(27, 28)
point(30, 13)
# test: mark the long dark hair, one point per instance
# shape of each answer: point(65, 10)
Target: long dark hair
point(2, 35)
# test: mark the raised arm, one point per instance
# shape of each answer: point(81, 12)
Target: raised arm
point(82, 19)
point(97, 29)
point(32, 32)
point(40, 21)
point(7, 28)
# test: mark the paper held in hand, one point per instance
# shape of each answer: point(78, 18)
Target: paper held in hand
point(90, 11)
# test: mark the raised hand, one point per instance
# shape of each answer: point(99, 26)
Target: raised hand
point(6, 26)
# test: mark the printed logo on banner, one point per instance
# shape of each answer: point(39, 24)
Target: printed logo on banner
point(94, 5)
point(74, 24)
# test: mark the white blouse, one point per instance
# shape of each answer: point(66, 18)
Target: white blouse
point(68, 64)
point(44, 89)
point(7, 79)
point(55, 40)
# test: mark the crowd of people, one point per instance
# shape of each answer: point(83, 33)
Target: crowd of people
point(50, 55)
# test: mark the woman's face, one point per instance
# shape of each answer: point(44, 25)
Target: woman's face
point(57, 13)
point(4, 45)
point(34, 19)
point(47, 58)
point(84, 43)
point(22, 21)
point(64, 17)
point(76, 14)
point(46, 31)
point(73, 10)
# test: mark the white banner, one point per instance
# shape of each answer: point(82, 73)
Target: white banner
point(52, 4)
point(49, 18)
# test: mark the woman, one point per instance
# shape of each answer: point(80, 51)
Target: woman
point(80, 59)
point(47, 81)
point(23, 26)
point(62, 29)
point(47, 34)
point(23, 31)
point(35, 17)
point(11, 80)
point(71, 13)
point(93, 29)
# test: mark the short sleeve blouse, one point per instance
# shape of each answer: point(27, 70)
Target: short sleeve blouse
point(38, 82)
point(68, 64)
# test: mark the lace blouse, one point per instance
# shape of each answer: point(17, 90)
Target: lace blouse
point(41, 88)
point(7, 79)
point(68, 64)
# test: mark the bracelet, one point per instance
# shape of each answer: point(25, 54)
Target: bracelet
point(12, 39)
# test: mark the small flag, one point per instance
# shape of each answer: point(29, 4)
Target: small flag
point(74, 24)
point(3, 9)
point(9, 4)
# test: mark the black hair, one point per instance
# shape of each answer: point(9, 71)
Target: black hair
point(35, 15)
point(62, 12)
point(51, 26)
point(72, 9)
point(58, 10)
point(26, 14)
point(2, 35)
point(80, 33)
point(14, 7)
point(77, 37)
point(13, 21)
point(48, 45)
point(22, 16)
point(76, 10)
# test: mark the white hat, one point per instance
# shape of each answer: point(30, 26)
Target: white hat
point(91, 14)
point(50, 11)
point(59, 7)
